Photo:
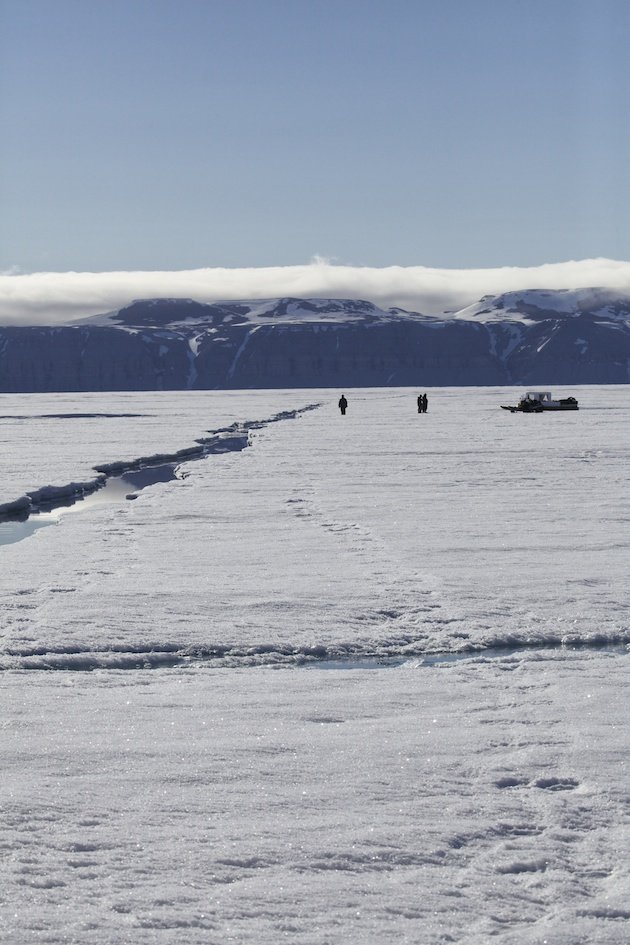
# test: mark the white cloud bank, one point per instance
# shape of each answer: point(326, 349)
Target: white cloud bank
point(46, 298)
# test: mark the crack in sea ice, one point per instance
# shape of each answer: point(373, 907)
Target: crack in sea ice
point(117, 481)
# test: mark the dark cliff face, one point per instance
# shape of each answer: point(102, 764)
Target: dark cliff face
point(580, 350)
point(87, 359)
point(172, 344)
point(355, 355)
point(269, 356)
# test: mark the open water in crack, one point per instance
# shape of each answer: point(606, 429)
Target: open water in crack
point(116, 489)
point(124, 480)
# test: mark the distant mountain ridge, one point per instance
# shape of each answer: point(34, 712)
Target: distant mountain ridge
point(533, 337)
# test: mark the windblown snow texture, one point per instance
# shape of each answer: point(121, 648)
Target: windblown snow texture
point(530, 337)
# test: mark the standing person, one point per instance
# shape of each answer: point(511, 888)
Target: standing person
point(420, 402)
point(424, 403)
point(343, 403)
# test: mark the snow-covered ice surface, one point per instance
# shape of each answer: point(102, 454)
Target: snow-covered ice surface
point(202, 785)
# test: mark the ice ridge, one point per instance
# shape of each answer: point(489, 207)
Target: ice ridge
point(159, 655)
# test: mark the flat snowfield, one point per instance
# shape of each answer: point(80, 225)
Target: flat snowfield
point(178, 765)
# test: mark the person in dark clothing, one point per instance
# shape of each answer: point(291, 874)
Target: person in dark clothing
point(343, 403)
point(419, 403)
point(424, 403)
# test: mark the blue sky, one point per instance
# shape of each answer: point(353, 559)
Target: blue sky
point(174, 134)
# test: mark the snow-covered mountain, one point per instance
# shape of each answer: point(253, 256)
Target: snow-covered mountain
point(529, 337)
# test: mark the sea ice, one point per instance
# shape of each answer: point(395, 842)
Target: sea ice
point(237, 797)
